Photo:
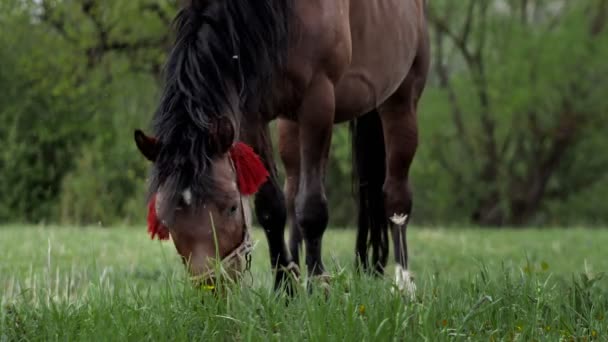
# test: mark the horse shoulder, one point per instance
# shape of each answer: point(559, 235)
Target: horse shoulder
point(323, 41)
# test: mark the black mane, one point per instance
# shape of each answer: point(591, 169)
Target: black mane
point(225, 54)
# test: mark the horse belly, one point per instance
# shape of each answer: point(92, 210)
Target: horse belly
point(384, 37)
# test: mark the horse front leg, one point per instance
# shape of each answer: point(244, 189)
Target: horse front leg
point(289, 150)
point(271, 214)
point(315, 122)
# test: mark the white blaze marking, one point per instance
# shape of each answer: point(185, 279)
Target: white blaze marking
point(398, 219)
point(404, 281)
point(187, 194)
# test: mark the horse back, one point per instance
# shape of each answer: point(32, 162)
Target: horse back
point(365, 47)
point(386, 39)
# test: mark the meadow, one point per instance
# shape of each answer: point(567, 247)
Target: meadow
point(93, 284)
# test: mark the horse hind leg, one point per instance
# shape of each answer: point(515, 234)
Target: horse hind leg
point(368, 177)
point(400, 129)
point(401, 140)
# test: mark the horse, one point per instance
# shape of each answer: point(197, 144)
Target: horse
point(238, 65)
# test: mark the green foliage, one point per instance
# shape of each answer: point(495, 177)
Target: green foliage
point(78, 81)
point(91, 284)
point(107, 184)
point(339, 184)
point(79, 76)
point(514, 128)
point(44, 112)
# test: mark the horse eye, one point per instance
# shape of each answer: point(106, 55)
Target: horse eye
point(232, 210)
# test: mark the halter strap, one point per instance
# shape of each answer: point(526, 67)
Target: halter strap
point(242, 252)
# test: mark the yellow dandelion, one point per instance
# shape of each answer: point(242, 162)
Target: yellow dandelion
point(361, 309)
point(208, 287)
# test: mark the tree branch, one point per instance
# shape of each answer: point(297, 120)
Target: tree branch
point(468, 22)
point(490, 172)
point(162, 14)
point(441, 26)
point(475, 63)
point(598, 23)
point(444, 83)
point(524, 12)
point(52, 18)
point(446, 165)
point(103, 43)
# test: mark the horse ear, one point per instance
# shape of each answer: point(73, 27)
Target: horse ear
point(148, 146)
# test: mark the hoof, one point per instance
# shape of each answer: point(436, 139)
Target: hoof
point(323, 281)
point(293, 271)
point(404, 281)
point(289, 278)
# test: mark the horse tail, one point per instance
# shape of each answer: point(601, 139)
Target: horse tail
point(368, 178)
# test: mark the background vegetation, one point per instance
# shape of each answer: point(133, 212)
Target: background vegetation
point(512, 122)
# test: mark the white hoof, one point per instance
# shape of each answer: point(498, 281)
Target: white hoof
point(405, 282)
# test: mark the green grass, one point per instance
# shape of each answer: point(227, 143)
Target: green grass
point(116, 284)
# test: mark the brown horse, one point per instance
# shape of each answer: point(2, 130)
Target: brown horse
point(238, 65)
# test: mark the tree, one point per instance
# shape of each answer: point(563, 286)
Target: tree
point(79, 76)
point(524, 82)
point(124, 44)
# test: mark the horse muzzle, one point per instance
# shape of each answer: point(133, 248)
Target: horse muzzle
point(229, 269)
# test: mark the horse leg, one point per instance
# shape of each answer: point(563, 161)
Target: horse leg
point(400, 129)
point(315, 121)
point(400, 134)
point(271, 214)
point(289, 150)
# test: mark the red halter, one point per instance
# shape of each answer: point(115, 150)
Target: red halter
point(250, 171)
point(155, 227)
point(250, 175)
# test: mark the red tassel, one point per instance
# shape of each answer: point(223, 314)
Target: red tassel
point(250, 171)
point(155, 228)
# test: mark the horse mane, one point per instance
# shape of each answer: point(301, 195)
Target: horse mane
point(222, 64)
